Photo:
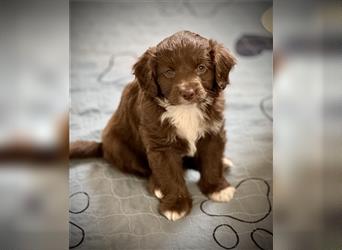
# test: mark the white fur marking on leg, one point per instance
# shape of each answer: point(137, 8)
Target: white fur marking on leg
point(173, 215)
point(158, 193)
point(227, 163)
point(224, 195)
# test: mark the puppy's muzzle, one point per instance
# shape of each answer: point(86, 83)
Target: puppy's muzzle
point(189, 91)
point(188, 94)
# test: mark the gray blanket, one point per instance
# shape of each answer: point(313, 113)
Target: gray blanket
point(112, 210)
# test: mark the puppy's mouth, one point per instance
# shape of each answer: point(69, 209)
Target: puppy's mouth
point(187, 102)
point(187, 98)
point(194, 100)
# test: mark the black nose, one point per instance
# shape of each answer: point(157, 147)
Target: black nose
point(188, 94)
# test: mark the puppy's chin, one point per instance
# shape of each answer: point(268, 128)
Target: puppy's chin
point(199, 100)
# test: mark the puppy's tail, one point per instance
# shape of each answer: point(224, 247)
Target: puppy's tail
point(85, 149)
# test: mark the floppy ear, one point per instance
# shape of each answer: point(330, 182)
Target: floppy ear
point(223, 61)
point(144, 71)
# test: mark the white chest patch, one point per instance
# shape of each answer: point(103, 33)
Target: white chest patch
point(189, 122)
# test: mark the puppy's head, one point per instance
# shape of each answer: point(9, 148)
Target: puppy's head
point(184, 68)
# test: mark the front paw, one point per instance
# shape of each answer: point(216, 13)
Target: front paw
point(173, 215)
point(175, 208)
point(224, 195)
point(220, 190)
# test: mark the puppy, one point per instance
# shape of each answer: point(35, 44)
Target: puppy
point(170, 118)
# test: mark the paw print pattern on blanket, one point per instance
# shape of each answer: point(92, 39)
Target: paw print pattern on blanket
point(226, 227)
point(244, 191)
point(80, 200)
point(118, 70)
point(264, 233)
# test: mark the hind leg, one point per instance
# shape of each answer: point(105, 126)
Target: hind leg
point(154, 187)
point(227, 163)
point(118, 152)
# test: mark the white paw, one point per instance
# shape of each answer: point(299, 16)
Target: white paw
point(158, 193)
point(173, 215)
point(227, 163)
point(224, 195)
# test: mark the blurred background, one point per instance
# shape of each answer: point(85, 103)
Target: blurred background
point(307, 124)
point(34, 97)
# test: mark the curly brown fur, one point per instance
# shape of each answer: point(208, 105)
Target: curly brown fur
point(171, 115)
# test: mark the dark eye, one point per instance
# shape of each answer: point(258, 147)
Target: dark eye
point(169, 73)
point(201, 69)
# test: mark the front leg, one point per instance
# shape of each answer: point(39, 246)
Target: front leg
point(210, 150)
point(168, 184)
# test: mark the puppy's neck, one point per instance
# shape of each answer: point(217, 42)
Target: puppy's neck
point(188, 119)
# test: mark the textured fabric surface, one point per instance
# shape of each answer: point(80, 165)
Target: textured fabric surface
point(112, 210)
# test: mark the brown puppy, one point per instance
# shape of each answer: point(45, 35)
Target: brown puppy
point(170, 117)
